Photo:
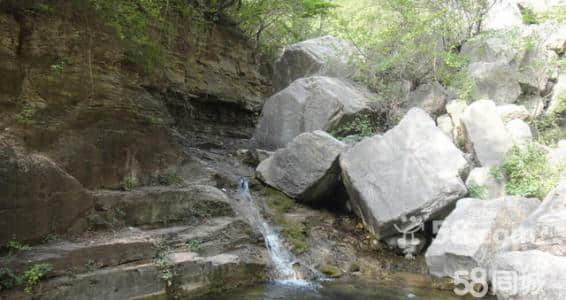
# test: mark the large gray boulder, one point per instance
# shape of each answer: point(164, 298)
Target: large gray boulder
point(509, 112)
point(495, 80)
point(307, 169)
point(412, 170)
point(308, 104)
point(503, 14)
point(471, 235)
point(529, 275)
point(323, 56)
point(431, 97)
point(519, 131)
point(545, 228)
point(486, 133)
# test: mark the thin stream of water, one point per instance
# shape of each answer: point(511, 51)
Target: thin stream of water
point(282, 259)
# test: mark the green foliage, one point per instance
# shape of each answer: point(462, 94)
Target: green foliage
point(548, 127)
point(8, 279)
point(129, 182)
point(274, 24)
point(557, 13)
point(529, 16)
point(26, 115)
point(528, 172)
point(413, 40)
point(169, 178)
point(32, 276)
point(15, 246)
point(361, 125)
point(195, 246)
point(477, 191)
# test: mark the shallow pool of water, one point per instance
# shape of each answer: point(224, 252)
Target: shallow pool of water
point(332, 291)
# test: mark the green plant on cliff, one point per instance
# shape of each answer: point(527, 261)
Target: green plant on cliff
point(8, 279)
point(129, 182)
point(33, 275)
point(548, 127)
point(528, 172)
point(477, 191)
point(26, 115)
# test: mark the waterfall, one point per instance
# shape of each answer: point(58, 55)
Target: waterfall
point(282, 259)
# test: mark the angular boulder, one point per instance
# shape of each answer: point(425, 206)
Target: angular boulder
point(307, 169)
point(526, 275)
point(37, 197)
point(519, 131)
point(412, 170)
point(503, 14)
point(497, 81)
point(486, 133)
point(323, 56)
point(558, 100)
point(308, 104)
point(471, 235)
point(509, 112)
point(444, 122)
point(431, 97)
point(489, 186)
point(545, 228)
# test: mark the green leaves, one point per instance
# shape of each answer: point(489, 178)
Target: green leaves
point(528, 172)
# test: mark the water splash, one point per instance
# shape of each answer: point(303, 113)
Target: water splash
point(282, 259)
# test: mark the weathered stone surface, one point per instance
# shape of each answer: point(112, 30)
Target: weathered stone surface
point(510, 112)
point(535, 275)
point(444, 122)
point(416, 172)
point(483, 179)
point(557, 155)
point(490, 50)
point(37, 197)
point(545, 228)
point(307, 169)
point(486, 133)
point(431, 97)
point(533, 103)
point(456, 109)
point(519, 131)
point(308, 104)
point(497, 81)
point(162, 205)
point(503, 14)
point(323, 56)
point(470, 236)
point(558, 98)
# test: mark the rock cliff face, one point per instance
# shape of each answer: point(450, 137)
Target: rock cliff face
point(71, 103)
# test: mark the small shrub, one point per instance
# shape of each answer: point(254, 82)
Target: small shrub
point(548, 126)
point(32, 276)
point(25, 116)
point(14, 246)
point(528, 172)
point(8, 279)
point(529, 16)
point(129, 182)
point(477, 191)
point(195, 246)
point(169, 179)
point(361, 125)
